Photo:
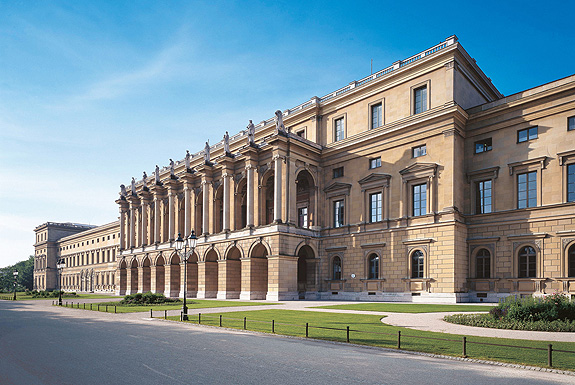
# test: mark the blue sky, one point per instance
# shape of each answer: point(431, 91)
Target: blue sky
point(95, 92)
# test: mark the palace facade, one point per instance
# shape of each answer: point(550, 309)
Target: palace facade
point(420, 182)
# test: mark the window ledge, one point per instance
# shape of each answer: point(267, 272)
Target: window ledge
point(372, 279)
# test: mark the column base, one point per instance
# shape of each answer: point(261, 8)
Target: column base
point(282, 296)
point(207, 294)
point(249, 295)
point(228, 295)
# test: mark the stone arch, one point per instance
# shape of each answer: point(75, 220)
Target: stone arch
point(303, 243)
point(306, 271)
point(230, 274)
point(191, 271)
point(160, 273)
point(175, 275)
point(254, 271)
point(134, 276)
point(229, 250)
point(146, 274)
point(527, 257)
point(306, 196)
point(218, 214)
point(208, 274)
point(123, 277)
point(267, 197)
point(241, 204)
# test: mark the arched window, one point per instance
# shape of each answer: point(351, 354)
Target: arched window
point(373, 272)
point(417, 261)
point(571, 261)
point(336, 268)
point(483, 264)
point(527, 266)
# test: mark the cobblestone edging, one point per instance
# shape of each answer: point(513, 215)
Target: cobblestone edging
point(442, 356)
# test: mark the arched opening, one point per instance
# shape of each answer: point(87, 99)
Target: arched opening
point(571, 261)
point(192, 276)
point(256, 272)
point(241, 205)
point(230, 274)
point(373, 266)
point(527, 262)
point(211, 274)
point(336, 268)
point(175, 274)
point(219, 209)
point(268, 200)
point(160, 275)
point(305, 199)
point(134, 277)
point(199, 213)
point(483, 264)
point(417, 264)
point(306, 274)
point(146, 275)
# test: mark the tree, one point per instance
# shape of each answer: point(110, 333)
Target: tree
point(25, 275)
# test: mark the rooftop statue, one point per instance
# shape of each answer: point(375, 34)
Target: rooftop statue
point(251, 134)
point(207, 153)
point(279, 122)
point(133, 186)
point(227, 143)
point(187, 160)
point(172, 169)
point(123, 192)
point(157, 175)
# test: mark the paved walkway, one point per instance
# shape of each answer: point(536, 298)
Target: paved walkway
point(420, 321)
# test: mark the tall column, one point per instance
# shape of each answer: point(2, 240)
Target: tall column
point(206, 206)
point(157, 214)
point(131, 226)
point(250, 192)
point(171, 212)
point(278, 189)
point(144, 226)
point(226, 210)
point(123, 218)
point(187, 208)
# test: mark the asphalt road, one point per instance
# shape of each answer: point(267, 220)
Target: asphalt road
point(46, 345)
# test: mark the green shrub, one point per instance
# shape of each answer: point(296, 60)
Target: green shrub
point(548, 308)
point(488, 321)
point(148, 298)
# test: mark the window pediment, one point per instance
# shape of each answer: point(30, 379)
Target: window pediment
point(375, 180)
point(540, 162)
point(419, 170)
point(337, 188)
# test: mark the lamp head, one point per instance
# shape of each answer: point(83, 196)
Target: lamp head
point(179, 242)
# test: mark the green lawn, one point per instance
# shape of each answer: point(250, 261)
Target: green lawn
point(192, 304)
point(410, 339)
point(21, 296)
point(408, 307)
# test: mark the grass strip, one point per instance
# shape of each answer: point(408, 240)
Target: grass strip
point(195, 304)
point(364, 329)
point(408, 307)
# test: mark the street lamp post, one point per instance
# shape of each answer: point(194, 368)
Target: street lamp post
point(15, 273)
point(60, 266)
point(184, 244)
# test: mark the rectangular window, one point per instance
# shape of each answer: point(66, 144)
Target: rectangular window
point(375, 162)
point(483, 146)
point(483, 197)
point(302, 217)
point(338, 172)
point(339, 129)
point(527, 190)
point(527, 134)
point(571, 182)
point(376, 115)
point(375, 207)
point(571, 123)
point(419, 151)
point(420, 100)
point(338, 213)
point(419, 199)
